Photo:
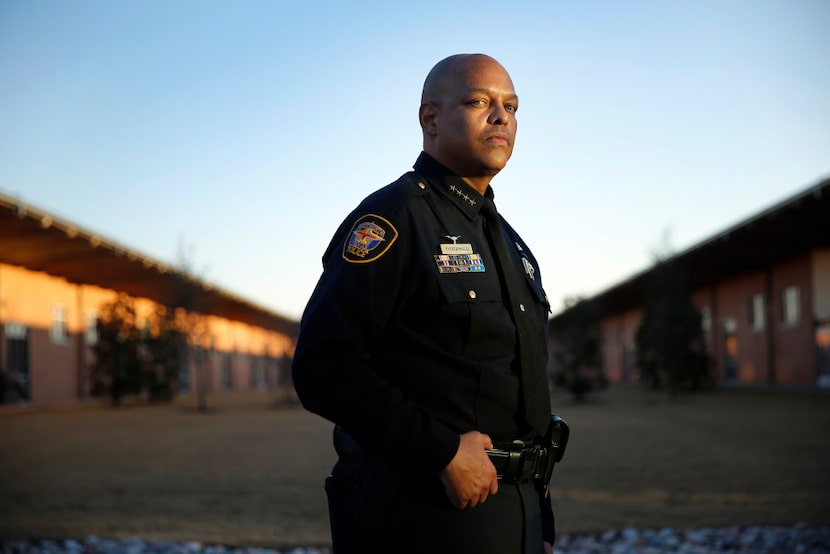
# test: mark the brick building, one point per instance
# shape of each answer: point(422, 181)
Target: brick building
point(54, 278)
point(763, 289)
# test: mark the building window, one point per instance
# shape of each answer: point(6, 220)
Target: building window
point(706, 319)
point(757, 312)
point(211, 351)
point(91, 332)
point(257, 372)
point(15, 331)
point(227, 371)
point(791, 306)
point(58, 332)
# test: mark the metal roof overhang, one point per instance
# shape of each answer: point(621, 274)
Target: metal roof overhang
point(39, 241)
point(791, 228)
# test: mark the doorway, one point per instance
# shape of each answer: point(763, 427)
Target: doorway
point(16, 381)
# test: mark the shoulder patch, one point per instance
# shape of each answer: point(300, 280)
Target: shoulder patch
point(370, 238)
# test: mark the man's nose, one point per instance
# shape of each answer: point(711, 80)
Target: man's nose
point(499, 115)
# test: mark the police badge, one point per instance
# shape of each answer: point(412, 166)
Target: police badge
point(370, 238)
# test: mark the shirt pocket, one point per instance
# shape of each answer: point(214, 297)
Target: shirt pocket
point(473, 288)
point(475, 304)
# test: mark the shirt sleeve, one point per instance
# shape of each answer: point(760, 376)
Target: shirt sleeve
point(364, 283)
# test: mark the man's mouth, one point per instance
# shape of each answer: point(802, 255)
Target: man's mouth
point(497, 139)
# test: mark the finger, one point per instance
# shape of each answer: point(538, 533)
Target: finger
point(493, 477)
point(457, 502)
point(451, 496)
point(486, 441)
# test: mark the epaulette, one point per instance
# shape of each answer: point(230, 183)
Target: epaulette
point(411, 184)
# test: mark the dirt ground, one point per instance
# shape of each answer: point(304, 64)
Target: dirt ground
point(250, 471)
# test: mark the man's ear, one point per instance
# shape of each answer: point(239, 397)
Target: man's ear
point(428, 115)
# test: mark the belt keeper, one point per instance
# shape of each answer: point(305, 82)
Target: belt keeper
point(513, 466)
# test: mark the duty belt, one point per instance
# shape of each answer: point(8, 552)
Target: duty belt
point(520, 464)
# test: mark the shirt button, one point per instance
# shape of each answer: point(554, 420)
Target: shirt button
point(522, 307)
point(423, 186)
point(472, 294)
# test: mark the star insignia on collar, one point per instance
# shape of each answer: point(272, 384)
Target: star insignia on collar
point(463, 195)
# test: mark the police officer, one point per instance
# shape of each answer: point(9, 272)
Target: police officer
point(425, 341)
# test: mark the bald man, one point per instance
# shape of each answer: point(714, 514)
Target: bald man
point(425, 342)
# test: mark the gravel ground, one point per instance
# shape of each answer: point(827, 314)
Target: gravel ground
point(753, 539)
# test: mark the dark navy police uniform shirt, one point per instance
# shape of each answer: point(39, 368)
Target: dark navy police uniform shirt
point(407, 341)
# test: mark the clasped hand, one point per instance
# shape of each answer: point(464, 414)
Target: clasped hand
point(470, 477)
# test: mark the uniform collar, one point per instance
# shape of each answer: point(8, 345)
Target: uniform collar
point(459, 193)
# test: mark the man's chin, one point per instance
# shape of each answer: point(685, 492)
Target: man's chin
point(493, 165)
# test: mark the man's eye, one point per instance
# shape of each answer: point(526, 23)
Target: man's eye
point(477, 102)
point(511, 108)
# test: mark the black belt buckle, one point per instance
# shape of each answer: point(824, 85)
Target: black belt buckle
point(519, 464)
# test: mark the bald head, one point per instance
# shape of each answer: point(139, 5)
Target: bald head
point(450, 69)
point(468, 116)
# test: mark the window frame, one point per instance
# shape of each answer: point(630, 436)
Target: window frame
point(791, 306)
point(757, 312)
point(59, 330)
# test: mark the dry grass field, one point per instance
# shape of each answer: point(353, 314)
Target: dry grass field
point(250, 471)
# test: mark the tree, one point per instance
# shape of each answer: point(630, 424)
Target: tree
point(188, 306)
point(577, 348)
point(129, 360)
point(164, 344)
point(669, 342)
point(117, 369)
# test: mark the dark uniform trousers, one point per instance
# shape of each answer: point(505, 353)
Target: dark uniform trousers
point(415, 517)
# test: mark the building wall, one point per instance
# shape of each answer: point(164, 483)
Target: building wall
point(237, 356)
point(820, 262)
point(618, 347)
point(794, 351)
point(769, 353)
point(821, 309)
point(30, 300)
point(739, 349)
point(745, 349)
point(706, 301)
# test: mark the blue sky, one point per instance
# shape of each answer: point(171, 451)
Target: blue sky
point(247, 130)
